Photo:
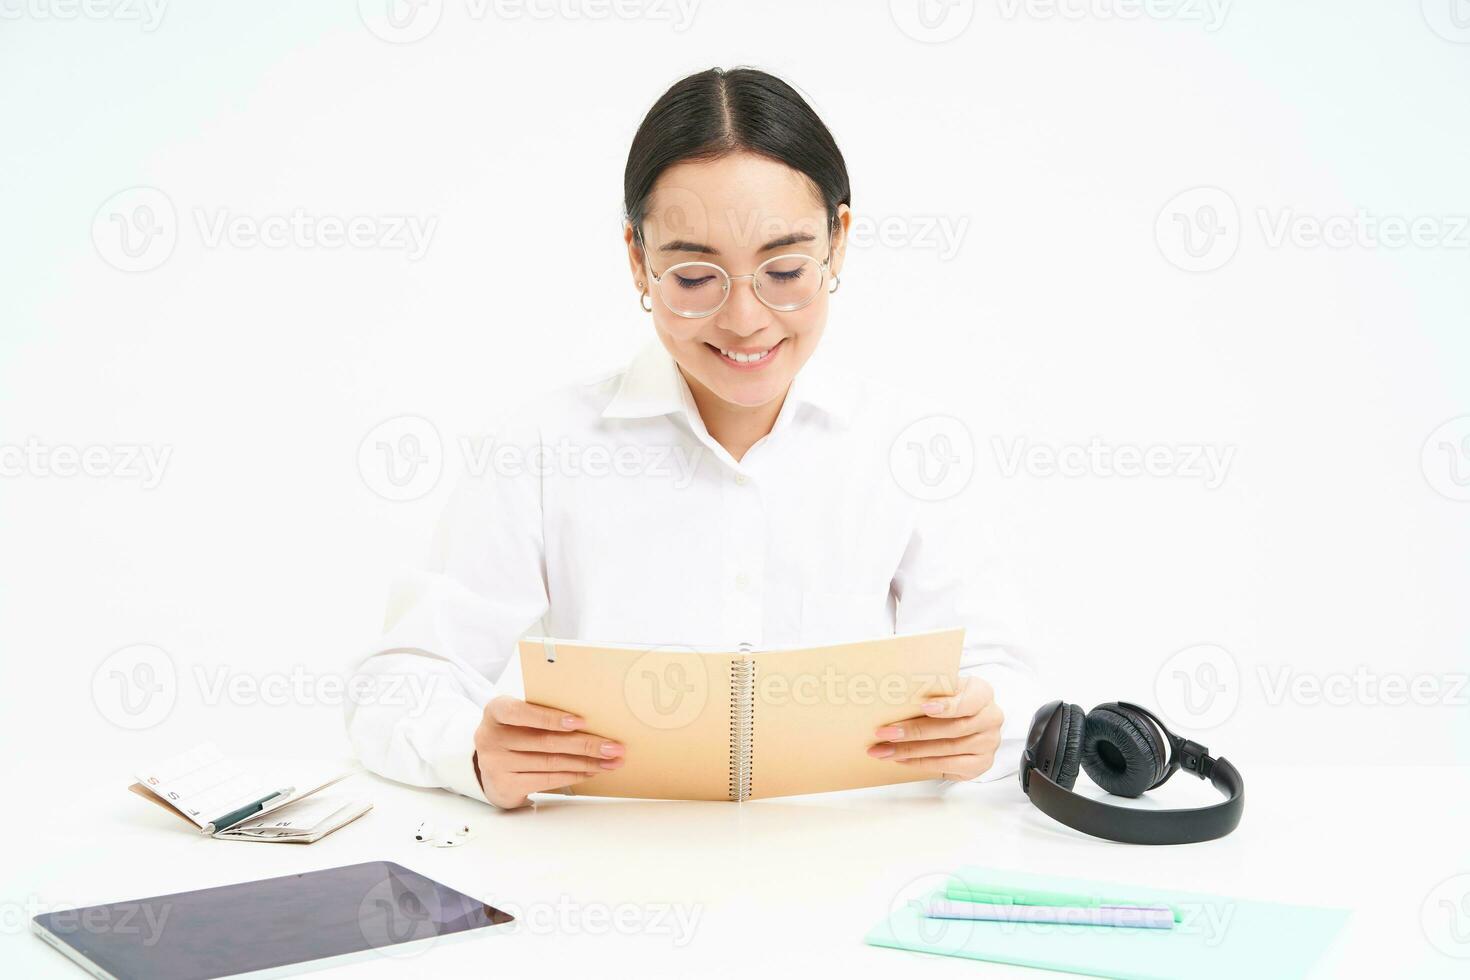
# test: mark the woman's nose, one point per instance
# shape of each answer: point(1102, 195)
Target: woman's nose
point(744, 314)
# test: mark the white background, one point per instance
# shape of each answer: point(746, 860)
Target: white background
point(1053, 144)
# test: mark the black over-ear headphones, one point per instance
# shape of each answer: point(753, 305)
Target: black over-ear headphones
point(1127, 751)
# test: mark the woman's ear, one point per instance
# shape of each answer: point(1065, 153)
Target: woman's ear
point(635, 257)
point(839, 237)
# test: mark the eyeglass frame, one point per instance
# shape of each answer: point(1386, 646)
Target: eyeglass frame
point(657, 279)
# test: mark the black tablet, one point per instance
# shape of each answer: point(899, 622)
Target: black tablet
point(274, 927)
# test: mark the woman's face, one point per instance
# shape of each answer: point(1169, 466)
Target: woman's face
point(735, 212)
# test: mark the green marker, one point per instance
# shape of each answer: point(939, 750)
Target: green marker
point(959, 891)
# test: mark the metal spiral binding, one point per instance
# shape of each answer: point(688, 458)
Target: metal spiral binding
point(742, 725)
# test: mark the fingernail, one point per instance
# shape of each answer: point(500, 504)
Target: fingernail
point(611, 750)
point(568, 721)
point(890, 731)
point(611, 764)
point(880, 751)
point(932, 707)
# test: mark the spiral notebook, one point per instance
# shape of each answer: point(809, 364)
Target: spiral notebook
point(708, 724)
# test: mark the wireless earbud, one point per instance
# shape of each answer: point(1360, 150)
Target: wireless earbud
point(429, 833)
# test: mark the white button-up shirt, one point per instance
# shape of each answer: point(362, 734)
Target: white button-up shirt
point(607, 512)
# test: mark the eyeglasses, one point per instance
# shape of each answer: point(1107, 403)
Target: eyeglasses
point(699, 289)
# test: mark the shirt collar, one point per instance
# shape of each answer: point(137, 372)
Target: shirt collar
point(652, 386)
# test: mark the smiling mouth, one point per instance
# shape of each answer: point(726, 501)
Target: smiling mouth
point(747, 357)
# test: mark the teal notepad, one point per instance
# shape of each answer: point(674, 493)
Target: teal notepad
point(1217, 937)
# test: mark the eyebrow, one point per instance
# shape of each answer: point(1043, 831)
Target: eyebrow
point(680, 245)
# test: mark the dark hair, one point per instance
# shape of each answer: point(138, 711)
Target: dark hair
point(717, 112)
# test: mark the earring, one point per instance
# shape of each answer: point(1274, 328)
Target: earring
point(646, 307)
point(836, 283)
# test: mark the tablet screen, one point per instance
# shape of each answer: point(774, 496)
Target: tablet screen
point(261, 925)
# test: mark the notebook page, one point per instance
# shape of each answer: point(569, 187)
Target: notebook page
point(202, 784)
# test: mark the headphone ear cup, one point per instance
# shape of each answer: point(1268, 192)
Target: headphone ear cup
point(1121, 752)
point(1069, 746)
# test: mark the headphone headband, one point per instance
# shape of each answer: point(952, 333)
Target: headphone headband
point(1130, 825)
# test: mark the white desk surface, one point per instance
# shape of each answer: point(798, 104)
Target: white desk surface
point(779, 887)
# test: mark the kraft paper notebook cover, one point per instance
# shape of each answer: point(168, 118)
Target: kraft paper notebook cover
point(1217, 937)
point(743, 725)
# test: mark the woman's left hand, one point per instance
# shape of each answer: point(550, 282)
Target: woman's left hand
point(955, 738)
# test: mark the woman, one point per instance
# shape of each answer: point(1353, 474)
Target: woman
point(726, 487)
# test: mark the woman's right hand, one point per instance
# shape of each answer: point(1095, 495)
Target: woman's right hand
point(523, 748)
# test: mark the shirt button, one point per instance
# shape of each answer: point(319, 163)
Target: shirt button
point(741, 479)
point(742, 581)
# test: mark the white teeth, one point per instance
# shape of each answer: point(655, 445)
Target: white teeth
point(740, 358)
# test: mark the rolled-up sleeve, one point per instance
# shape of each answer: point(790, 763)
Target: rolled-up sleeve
point(451, 629)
